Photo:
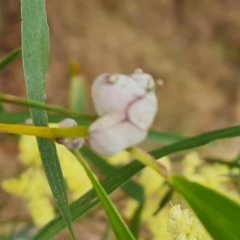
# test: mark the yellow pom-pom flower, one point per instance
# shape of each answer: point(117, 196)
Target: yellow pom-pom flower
point(122, 157)
point(183, 225)
point(32, 184)
point(41, 210)
point(28, 149)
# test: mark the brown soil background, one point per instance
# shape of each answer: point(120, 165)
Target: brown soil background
point(194, 46)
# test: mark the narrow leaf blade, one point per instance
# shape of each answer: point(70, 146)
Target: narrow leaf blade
point(132, 189)
point(35, 47)
point(119, 227)
point(163, 137)
point(4, 62)
point(136, 221)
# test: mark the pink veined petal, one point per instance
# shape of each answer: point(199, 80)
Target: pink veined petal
point(114, 96)
point(143, 111)
point(109, 135)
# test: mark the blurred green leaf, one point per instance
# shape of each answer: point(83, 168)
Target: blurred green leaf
point(132, 189)
point(4, 62)
point(236, 160)
point(14, 117)
point(166, 199)
point(21, 117)
point(6, 98)
point(135, 223)
point(4, 237)
point(98, 162)
point(87, 202)
point(219, 214)
point(162, 137)
point(1, 108)
point(119, 227)
point(35, 48)
point(25, 233)
point(106, 233)
point(78, 89)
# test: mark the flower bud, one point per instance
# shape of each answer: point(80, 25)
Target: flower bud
point(143, 79)
point(111, 134)
point(113, 92)
point(127, 105)
point(70, 143)
point(142, 111)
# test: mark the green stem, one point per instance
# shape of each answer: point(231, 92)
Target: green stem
point(51, 133)
point(106, 233)
point(147, 160)
point(6, 98)
point(119, 227)
point(228, 163)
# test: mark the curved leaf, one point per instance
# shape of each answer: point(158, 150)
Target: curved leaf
point(135, 222)
point(132, 188)
point(119, 227)
point(163, 137)
point(219, 214)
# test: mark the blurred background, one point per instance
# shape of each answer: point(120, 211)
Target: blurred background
point(194, 46)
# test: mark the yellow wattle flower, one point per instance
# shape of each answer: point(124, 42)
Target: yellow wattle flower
point(190, 163)
point(77, 180)
point(213, 176)
point(32, 184)
point(179, 224)
point(28, 151)
point(41, 210)
point(183, 225)
point(122, 157)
